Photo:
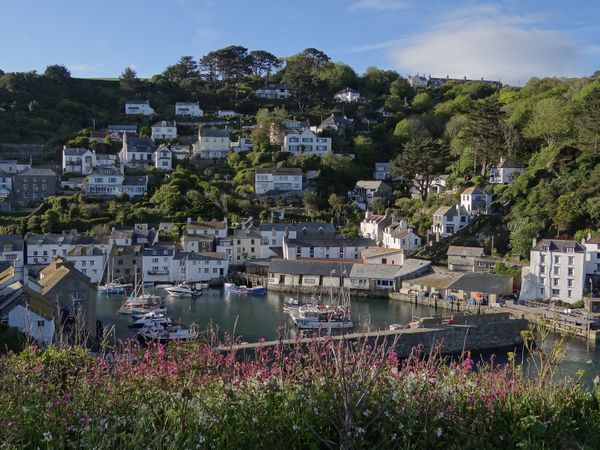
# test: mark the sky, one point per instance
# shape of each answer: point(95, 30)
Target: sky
point(509, 40)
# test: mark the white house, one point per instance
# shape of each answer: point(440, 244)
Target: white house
point(476, 200)
point(214, 228)
point(505, 171)
point(305, 141)
point(418, 82)
point(380, 255)
point(324, 248)
point(158, 264)
point(163, 158)
point(12, 167)
point(399, 236)
point(559, 266)
point(246, 245)
point(277, 91)
point(110, 183)
point(30, 312)
point(136, 152)
point(12, 250)
point(226, 113)
point(164, 130)
point(592, 256)
point(382, 171)
point(90, 260)
point(347, 95)
point(138, 107)
point(107, 162)
point(201, 267)
point(367, 191)
point(80, 161)
point(213, 143)
point(447, 220)
point(191, 109)
point(282, 179)
point(43, 248)
point(372, 226)
point(243, 144)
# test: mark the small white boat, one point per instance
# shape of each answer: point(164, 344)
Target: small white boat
point(159, 319)
point(165, 334)
point(328, 317)
point(148, 314)
point(183, 290)
point(233, 288)
point(164, 286)
point(113, 288)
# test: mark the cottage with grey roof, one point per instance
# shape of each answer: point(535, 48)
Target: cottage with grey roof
point(447, 220)
point(366, 192)
point(505, 171)
point(325, 248)
point(277, 180)
point(135, 107)
point(476, 200)
point(336, 123)
point(274, 91)
point(347, 95)
point(164, 130)
point(213, 143)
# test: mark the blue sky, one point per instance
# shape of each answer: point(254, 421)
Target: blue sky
point(510, 40)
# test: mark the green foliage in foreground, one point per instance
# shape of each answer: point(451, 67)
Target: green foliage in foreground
point(326, 395)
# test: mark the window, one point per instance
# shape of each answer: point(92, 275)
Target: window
point(41, 323)
point(569, 283)
point(569, 293)
point(555, 291)
point(571, 260)
point(542, 258)
point(542, 269)
point(570, 271)
point(556, 259)
point(556, 270)
point(555, 281)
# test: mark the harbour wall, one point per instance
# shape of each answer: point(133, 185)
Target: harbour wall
point(466, 333)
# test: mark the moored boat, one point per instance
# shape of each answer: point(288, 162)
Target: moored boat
point(183, 290)
point(233, 288)
point(164, 334)
point(322, 316)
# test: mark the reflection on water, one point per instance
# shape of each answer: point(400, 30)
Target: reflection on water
point(253, 318)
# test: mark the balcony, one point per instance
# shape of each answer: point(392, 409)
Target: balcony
point(158, 272)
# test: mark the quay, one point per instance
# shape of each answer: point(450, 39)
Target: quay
point(462, 333)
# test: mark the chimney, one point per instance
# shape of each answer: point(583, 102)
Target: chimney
point(533, 242)
point(189, 220)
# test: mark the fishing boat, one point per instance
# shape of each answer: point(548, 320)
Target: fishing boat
point(294, 303)
point(164, 334)
point(158, 319)
point(329, 317)
point(183, 290)
point(233, 288)
point(112, 287)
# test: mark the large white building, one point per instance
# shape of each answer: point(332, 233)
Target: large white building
point(164, 130)
point(447, 220)
point(373, 225)
point(283, 179)
point(90, 260)
point(191, 109)
point(80, 161)
point(43, 248)
point(347, 95)
point(274, 91)
point(110, 183)
point(137, 152)
point(476, 200)
point(323, 248)
point(138, 107)
point(213, 143)
point(167, 264)
point(214, 228)
point(559, 269)
point(305, 141)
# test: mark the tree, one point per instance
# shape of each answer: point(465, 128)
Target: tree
point(311, 202)
point(185, 69)
point(550, 121)
point(400, 94)
point(587, 112)
point(376, 82)
point(421, 161)
point(128, 80)
point(262, 63)
point(228, 64)
point(337, 203)
point(411, 128)
point(567, 212)
point(422, 102)
point(338, 76)
point(483, 132)
point(57, 72)
point(267, 122)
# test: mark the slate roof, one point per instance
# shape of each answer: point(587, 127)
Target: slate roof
point(280, 171)
point(85, 250)
point(450, 211)
point(336, 120)
point(8, 162)
point(213, 132)
point(559, 245)
point(331, 242)
point(206, 225)
point(475, 190)
point(159, 250)
point(488, 283)
point(72, 238)
point(459, 250)
point(369, 184)
point(247, 233)
point(304, 267)
point(135, 180)
point(138, 144)
point(203, 256)
point(508, 163)
point(37, 172)
point(163, 124)
point(11, 243)
point(122, 128)
point(310, 227)
point(75, 151)
point(56, 271)
point(372, 252)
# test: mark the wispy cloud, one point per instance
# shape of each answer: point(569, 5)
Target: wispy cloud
point(484, 42)
point(371, 47)
point(379, 5)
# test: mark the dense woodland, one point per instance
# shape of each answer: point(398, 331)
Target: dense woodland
point(550, 125)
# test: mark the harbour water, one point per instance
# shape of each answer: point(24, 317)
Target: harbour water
point(251, 318)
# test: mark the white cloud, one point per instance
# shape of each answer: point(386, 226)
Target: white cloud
point(371, 47)
point(379, 5)
point(485, 43)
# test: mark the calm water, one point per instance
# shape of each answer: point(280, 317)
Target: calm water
point(260, 317)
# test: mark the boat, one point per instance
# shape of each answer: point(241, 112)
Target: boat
point(329, 317)
point(139, 301)
point(183, 290)
point(233, 288)
point(112, 287)
point(164, 334)
point(164, 286)
point(145, 322)
point(294, 303)
point(150, 313)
